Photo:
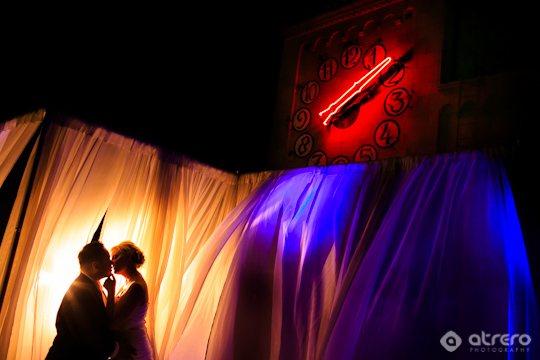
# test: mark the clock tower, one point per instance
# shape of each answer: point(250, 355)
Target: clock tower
point(379, 79)
point(354, 83)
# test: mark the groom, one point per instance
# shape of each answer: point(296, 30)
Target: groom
point(82, 325)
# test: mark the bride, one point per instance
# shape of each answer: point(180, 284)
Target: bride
point(127, 310)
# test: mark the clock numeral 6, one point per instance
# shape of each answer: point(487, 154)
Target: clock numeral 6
point(340, 160)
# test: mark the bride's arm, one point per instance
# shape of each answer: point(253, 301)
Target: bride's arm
point(110, 285)
point(126, 305)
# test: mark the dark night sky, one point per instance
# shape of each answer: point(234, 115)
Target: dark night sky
point(200, 81)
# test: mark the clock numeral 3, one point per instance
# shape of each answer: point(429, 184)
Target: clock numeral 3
point(396, 102)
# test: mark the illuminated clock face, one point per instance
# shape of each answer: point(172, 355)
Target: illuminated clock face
point(351, 104)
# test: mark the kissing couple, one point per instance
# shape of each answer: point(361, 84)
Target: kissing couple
point(92, 325)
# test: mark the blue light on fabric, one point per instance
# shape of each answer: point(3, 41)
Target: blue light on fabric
point(379, 261)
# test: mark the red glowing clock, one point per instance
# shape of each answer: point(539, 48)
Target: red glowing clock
point(363, 83)
point(350, 102)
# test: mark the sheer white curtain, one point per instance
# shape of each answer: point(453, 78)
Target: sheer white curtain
point(372, 260)
point(76, 174)
point(14, 136)
point(168, 205)
point(169, 208)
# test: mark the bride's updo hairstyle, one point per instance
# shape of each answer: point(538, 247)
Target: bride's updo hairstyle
point(130, 249)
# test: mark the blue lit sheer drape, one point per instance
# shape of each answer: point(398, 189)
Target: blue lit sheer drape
point(367, 261)
point(375, 260)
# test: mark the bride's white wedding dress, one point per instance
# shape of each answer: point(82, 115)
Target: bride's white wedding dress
point(134, 330)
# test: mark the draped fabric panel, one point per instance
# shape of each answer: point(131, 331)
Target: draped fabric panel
point(169, 210)
point(14, 136)
point(366, 261)
point(9, 239)
point(167, 204)
point(67, 200)
point(375, 260)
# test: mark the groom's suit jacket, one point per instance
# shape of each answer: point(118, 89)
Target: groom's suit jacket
point(81, 324)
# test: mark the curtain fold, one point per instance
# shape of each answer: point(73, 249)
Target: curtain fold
point(169, 208)
point(14, 136)
point(68, 198)
point(376, 260)
point(9, 240)
point(371, 260)
point(168, 204)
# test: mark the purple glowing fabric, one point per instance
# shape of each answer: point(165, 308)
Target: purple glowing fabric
point(379, 261)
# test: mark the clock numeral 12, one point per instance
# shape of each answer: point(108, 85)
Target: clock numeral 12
point(351, 56)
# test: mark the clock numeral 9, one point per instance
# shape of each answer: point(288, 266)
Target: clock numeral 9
point(301, 119)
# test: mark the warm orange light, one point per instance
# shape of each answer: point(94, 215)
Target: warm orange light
point(349, 94)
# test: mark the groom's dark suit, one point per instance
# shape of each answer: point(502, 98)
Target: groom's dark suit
point(82, 325)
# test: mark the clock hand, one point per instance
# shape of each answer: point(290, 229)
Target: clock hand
point(349, 94)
